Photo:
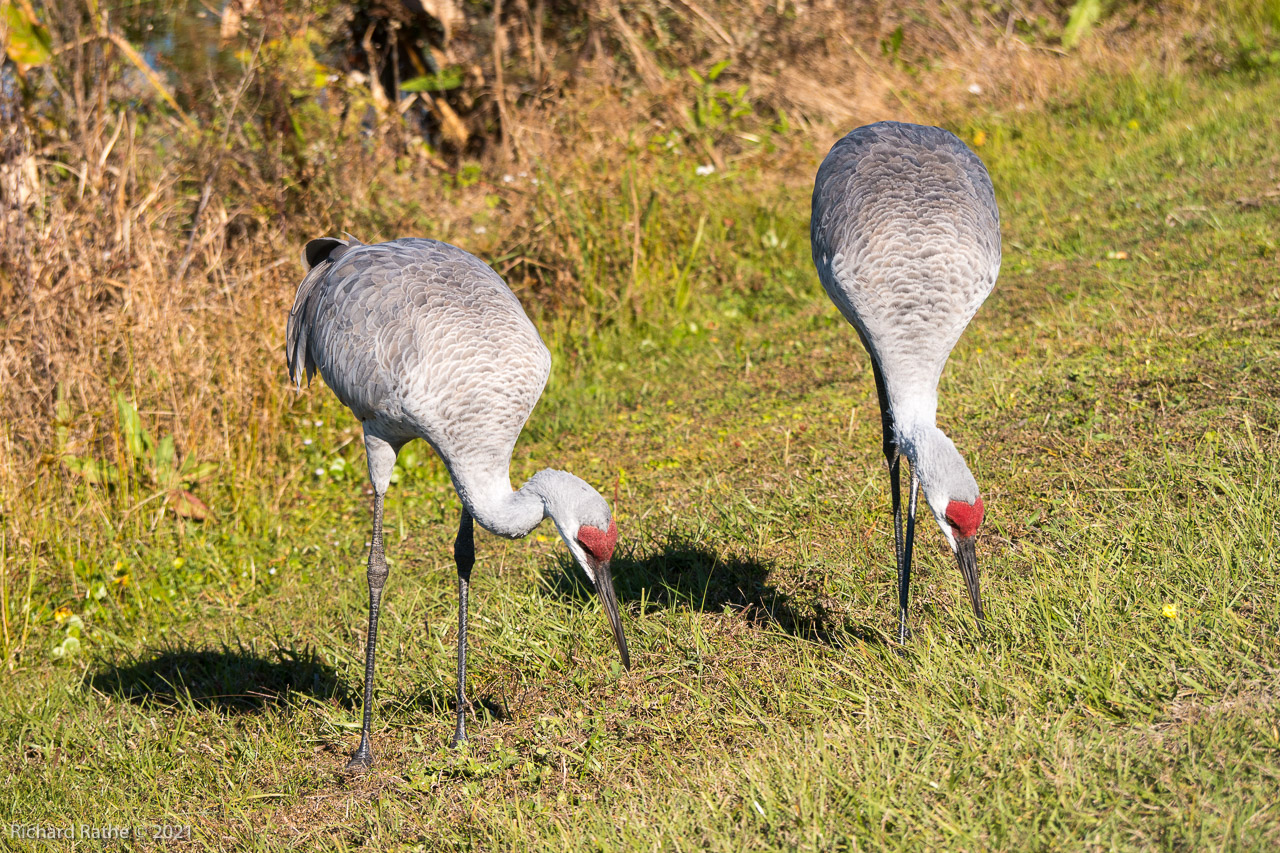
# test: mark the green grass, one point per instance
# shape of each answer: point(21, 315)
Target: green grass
point(1117, 399)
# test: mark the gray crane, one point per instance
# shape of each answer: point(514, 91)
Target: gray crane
point(906, 238)
point(420, 339)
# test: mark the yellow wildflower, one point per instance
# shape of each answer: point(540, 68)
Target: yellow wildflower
point(1170, 611)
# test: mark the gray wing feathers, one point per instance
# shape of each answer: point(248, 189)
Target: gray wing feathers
point(421, 339)
point(318, 258)
point(906, 239)
point(891, 156)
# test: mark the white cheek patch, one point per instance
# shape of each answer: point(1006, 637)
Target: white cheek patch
point(946, 530)
point(581, 557)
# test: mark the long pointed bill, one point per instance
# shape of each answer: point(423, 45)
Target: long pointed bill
point(967, 555)
point(904, 568)
point(604, 586)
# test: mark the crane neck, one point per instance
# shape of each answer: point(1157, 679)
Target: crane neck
point(914, 416)
point(498, 508)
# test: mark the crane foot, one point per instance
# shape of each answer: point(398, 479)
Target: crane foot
point(362, 758)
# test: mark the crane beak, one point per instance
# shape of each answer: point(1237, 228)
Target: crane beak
point(967, 555)
point(604, 586)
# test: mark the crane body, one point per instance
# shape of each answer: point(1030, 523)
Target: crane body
point(905, 235)
point(420, 339)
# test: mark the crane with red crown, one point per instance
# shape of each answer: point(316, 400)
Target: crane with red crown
point(905, 235)
point(420, 339)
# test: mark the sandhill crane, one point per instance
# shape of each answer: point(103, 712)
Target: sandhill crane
point(420, 339)
point(906, 238)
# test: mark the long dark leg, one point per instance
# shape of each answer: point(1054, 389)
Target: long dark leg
point(363, 756)
point(895, 487)
point(464, 554)
point(894, 458)
point(382, 458)
point(904, 575)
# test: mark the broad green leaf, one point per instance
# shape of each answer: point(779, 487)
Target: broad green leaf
point(61, 418)
point(194, 472)
point(1084, 14)
point(28, 43)
point(163, 467)
point(136, 440)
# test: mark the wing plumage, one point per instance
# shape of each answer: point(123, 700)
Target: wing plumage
point(420, 338)
point(906, 238)
point(318, 256)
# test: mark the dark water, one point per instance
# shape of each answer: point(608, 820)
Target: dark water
point(181, 41)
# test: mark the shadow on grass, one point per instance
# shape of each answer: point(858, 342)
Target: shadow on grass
point(482, 709)
point(235, 680)
point(686, 574)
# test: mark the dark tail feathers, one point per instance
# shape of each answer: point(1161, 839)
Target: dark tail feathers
point(318, 256)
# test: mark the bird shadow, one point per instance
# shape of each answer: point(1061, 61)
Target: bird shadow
point(236, 680)
point(684, 573)
point(441, 701)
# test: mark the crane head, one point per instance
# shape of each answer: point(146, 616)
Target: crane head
point(952, 495)
point(585, 523)
point(599, 543)
point(594, 552)
point(964, 519)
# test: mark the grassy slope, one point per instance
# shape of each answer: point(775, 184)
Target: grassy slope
point(1120, 414)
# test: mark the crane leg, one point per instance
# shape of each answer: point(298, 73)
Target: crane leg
point(895, 489)
point(901, 549)
point(464, 554)
point(382, 458)
point(904, 574)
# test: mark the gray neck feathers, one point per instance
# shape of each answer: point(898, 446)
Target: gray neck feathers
point(549, 493)
point(495, 507)
point(943, 474)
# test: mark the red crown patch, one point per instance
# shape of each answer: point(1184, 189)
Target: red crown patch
point(599, 542)
point(964, 517)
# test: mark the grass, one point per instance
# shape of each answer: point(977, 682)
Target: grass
point(1116, 398)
